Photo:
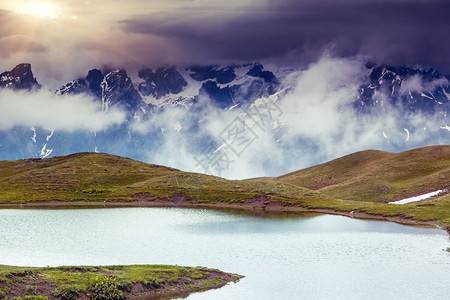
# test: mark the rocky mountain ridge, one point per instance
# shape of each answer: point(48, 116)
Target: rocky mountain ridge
point(19, 78)
point(230, 85)
point(193, 88)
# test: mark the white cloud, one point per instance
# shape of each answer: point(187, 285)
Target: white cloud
point(416, 84)
point(47, 110)
point(317, 122)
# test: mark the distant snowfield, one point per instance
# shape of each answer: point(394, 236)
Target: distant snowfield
point(417, 198)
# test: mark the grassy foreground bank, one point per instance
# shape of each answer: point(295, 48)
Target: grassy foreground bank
point(108, 282)
point(357, 185)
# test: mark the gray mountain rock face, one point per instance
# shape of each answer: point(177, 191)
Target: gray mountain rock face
point(196, 90)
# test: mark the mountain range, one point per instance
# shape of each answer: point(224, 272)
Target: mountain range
point(197, 92)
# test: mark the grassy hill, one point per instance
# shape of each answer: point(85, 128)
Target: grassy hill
point(74, 177)
point(96, 177)
point(359, 184)
point(378, 176)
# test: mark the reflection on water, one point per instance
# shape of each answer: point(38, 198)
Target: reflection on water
point(312, 256)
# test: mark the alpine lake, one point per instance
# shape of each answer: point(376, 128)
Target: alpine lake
point(282, 257)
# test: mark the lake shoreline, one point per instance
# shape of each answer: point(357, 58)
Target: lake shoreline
point(271, 209)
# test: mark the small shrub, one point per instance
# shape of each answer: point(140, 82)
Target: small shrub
point(95, 190)
point(3, 292)
point(19, 274)
point(66, 292)
point(198, 275)
point(30, 290)
point(105, 288)
point(153, 282)
point(126, 285)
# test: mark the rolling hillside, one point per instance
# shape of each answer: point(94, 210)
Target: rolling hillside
point(378, 176)
point(357, 185)
point(94, 177)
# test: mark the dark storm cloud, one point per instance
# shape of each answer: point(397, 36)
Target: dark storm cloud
point(179, 32)
point(401, 32)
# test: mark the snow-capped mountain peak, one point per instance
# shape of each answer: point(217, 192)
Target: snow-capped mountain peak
point(19, 78)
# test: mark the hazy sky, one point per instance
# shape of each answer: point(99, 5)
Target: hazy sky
point(329, 40)
point(64, 38)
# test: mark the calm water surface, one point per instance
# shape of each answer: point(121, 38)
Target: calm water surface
point(316, 257)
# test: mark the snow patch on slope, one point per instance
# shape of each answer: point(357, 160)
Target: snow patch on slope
point(407, 134)
point(45, 152)
point(183, 98)
point(50, 135)
point(33, 138)
point(418, 198)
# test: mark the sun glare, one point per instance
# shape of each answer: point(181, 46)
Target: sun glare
point(41, 9)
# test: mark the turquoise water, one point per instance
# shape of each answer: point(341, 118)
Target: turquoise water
point(309, 257)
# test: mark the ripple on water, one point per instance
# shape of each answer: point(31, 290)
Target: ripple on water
point(310, 257)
